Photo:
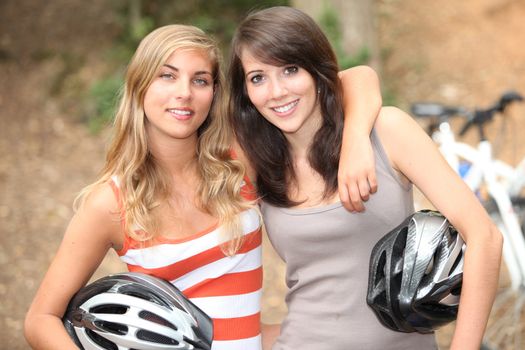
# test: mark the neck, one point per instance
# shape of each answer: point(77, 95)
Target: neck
point(178, 156)
point(299, 146)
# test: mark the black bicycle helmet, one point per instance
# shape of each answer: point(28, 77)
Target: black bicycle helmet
point(136, 311)
point(415, 274)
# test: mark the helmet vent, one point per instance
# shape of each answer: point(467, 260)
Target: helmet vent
point(459, 260)
point(146, 315)
point(387, 319)
point(143, 293)
point(456, 291)
point(101, 341)
point(155, 338)
point(437, 309)
point(381, 268)
point(111, 327)
point(381, 298)
point(109, 309)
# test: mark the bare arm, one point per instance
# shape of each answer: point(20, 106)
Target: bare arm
point(414, 154)
point(269, 333)
point(362, 102)
point(85, 243)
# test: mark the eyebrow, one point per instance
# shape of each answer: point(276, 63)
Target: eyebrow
point(254, 71)
point(200, 72)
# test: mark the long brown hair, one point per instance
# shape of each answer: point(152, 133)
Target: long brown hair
point(142, 181)
point(280, 36)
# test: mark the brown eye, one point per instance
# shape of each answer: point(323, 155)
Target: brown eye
point(256, 79)
point(291, 70)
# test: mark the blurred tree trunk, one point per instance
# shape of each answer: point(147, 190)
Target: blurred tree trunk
point(134, 14)
point(358, 21)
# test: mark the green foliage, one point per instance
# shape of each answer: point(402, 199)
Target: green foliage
point(331, 25)
point(361, 57)
point(103, 94)
point(329, 22)
point(389, 97)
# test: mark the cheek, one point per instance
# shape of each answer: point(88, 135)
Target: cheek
point(205, 100)
point(153, 96)
point(304, 85)
point(147, 103)
point(256, 96)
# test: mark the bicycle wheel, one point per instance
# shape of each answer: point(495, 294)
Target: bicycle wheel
point(506, 326)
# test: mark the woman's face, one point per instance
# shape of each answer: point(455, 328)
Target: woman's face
point(286, 95)
point(180, 96)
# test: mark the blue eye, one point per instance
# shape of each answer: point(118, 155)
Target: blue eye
point(167, 76)
point(201, 82)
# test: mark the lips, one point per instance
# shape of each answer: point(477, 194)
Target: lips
point(286, 109)
point(181, 113)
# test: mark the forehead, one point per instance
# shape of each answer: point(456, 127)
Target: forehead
point(250, 61)
point(191, 60)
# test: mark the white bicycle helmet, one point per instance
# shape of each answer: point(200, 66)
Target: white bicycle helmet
point(415, 276)
point(134, 311)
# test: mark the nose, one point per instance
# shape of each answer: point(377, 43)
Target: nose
point(278, 89)
point(183, 89)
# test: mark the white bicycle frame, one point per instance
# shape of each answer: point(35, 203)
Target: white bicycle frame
point(502, 181)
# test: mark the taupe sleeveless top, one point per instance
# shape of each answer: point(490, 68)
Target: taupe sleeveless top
point(327, 252)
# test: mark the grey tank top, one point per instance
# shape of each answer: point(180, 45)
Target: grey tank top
point(327, 252)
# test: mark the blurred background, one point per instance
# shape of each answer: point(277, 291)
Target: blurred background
point(61, 63)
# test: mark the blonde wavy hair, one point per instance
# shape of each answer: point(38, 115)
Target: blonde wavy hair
point(143, 183)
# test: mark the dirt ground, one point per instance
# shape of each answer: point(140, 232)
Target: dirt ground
point(464, 52)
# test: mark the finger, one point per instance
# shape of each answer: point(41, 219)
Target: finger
point(364, 189)
point(345, 199)
point(355, 197)
point(372, 182)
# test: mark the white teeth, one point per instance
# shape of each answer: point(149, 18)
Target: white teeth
point(179, 111)
point(286, 108)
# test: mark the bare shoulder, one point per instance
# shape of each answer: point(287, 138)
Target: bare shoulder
point(101, 200)
point(394, 123)
point(396, 128)
point(393, 118)
point(403, 139)
point(100, 215)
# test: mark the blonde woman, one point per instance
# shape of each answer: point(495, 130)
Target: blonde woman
point(170, 200)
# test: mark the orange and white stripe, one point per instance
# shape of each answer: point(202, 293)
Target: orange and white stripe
point(227, 288)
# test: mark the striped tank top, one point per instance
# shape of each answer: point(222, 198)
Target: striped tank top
point(227, 288)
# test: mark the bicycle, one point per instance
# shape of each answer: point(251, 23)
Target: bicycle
point(504, 202)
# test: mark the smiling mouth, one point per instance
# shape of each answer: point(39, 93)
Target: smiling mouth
point(181, 113)
point(285, 108)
